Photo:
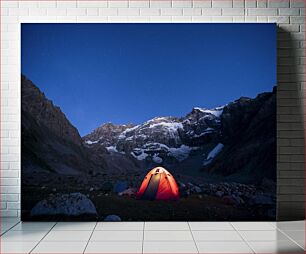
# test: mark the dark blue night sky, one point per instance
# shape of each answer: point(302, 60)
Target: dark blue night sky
point(129, 73)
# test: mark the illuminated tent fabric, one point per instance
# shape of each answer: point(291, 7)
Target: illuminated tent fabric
point(158, 184)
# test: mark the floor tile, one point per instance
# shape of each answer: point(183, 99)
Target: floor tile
point(64, 226)
point(169, 247)
point(211, 226)
point(216, 236)
point(297, 236)
point(166, 226)
point(119, 226)
point(60, 247)
point(69, 236)
point(253, 225)
point(5, 226)
point(17, 247)
point(291, 225)
point(33, 226)
point(3, 230)
point(224, 247)
point(114, 247)
point(276, 247)
point(301, 243)
point(101, 236)
point(273, 235)
point(167, 235)
point(23, 236)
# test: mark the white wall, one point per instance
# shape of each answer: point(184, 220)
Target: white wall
point(288, 14)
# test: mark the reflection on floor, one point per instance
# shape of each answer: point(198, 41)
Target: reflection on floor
point(152, 237)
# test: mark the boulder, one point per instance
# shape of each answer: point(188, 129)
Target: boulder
point(73, 204)
point(219, 193)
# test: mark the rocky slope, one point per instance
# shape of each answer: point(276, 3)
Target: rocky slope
point(49, 143)
point(249, 136)
point(44, 112)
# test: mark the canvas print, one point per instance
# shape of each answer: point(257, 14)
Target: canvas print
point(154, 122)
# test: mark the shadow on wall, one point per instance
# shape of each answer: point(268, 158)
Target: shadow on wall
point(290, 129)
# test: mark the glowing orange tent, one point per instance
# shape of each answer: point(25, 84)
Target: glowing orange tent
point(158, 184)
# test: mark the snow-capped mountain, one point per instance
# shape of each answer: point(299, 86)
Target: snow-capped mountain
point(222, 140)
point(161, 138)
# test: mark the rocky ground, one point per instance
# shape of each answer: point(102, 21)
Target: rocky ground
point(207, 201)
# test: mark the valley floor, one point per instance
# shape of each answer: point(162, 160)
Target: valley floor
point(195, 207)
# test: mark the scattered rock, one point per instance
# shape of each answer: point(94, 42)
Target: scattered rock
point(131, 192)
point(182, 185)
point(190, 185)
point(112, 218)
point(219, 194)
point(73, 204)
point(197, 189)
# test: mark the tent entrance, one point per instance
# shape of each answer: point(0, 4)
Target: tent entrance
point(152, 187)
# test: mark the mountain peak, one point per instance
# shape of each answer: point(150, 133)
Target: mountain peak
point(217, 112)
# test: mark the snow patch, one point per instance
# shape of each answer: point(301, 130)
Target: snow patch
point(161, 118)
point(217, 112)
point(170, 126)
point(112, 149)
point(213, 153)
point(89, 142)
point(139, 154)
point(123, 134)
point(181, 153)
point(154, 146)
point(206, 131)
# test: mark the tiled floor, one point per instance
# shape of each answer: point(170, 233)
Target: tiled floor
point(152, 237)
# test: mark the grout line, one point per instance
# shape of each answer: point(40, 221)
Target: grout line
point(42, 238)
point(193, 237)
point(290, 238)
point(10, 228)
point(272, 224)
point(246, 242)
point(143, 232)
point(90, 236)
